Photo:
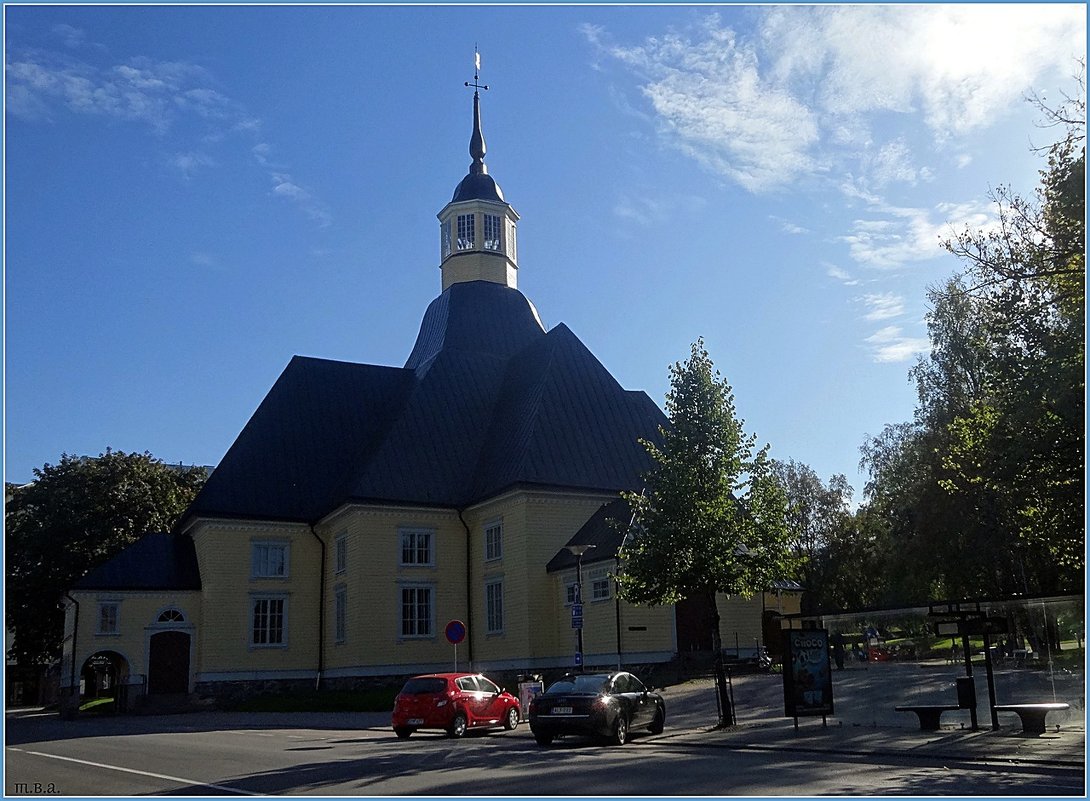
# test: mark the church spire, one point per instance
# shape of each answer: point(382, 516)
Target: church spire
point(477, 227)
point(477, 147)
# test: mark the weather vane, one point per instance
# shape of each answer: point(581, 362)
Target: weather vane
point(476, 71)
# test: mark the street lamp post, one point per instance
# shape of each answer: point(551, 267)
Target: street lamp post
point(577, 605)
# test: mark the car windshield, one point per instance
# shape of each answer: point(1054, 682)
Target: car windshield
point(424, 686)
point(580, 684)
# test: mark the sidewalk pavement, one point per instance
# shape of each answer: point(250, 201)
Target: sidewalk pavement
point(867, 725)
point(1054, 750)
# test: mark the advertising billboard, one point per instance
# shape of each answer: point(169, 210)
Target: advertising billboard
point(807, 680)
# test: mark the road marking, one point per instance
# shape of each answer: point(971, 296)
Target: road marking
point(137, 772)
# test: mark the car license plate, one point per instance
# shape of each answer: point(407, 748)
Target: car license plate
point(561, 710)
point(416, 721)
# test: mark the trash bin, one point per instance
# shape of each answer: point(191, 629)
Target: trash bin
point(966, 692)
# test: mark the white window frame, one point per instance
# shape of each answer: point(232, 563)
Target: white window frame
point(601, 586)
point(467, 233)
point(340, 613)
point(340, 553)
point(270, 599)
point(408, 542)
point(493, 605)
point(114, 620)
point(444, 238)
point(414, 632)
point(511, 250)
point(493, 232)
point(261, 566)
point(493, 540)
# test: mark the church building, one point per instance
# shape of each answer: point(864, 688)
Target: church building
point(366, 512)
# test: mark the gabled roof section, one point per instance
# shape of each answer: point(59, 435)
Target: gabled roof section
point(605, 531)
point(319, 424)
point(428, 454)
point(564, 421)
point(153, 562)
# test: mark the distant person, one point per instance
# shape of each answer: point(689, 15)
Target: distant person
point(838, 650)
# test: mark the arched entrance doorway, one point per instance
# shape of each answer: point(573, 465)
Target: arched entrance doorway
point(169, 644)
point(103, 675)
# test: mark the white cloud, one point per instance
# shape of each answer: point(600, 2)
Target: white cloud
point(899, 235)
point(800, 95)
point(883, 306)
point(643, 211)
point(155, 93)
point(72, 37)
point(284, 187)
point(712, 103)
point(179, 101)
point(843, 276)
point(190, 162)
point(958, 65)
point(789, 227)
point(889, 344)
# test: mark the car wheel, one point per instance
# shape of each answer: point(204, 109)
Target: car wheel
point(458, 726)
point(543, 739)
point(620, 731)
point(658, 723)
point(511, 721)
point(403, 732)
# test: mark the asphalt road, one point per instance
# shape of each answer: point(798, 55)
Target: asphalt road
point(222, 754)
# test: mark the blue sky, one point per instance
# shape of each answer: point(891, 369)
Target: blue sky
point(194, 194)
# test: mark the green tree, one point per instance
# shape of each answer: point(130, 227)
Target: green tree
point(816, 515)
point(711, 517)
point(75, 515)
point(984, 491)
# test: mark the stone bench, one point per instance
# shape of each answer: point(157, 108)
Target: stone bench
point(928, 714)
point(1032, 715)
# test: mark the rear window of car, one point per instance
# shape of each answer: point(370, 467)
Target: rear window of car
point(424, 686)
point(579, 684)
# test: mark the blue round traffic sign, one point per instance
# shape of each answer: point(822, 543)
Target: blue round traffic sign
point(456, 632)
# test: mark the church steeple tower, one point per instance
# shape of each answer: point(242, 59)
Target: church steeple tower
point(477, 227)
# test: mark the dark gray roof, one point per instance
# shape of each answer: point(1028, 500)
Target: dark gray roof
point(153, 562)
point(479, 186)
point(486, 401)
point(605, 531)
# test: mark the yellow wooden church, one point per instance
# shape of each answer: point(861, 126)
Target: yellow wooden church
point(363, 508)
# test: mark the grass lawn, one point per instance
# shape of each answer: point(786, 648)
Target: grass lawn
point(97, 706)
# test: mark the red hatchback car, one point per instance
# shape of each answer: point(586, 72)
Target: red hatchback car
point(454, 702)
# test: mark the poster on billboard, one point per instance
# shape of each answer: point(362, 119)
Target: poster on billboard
point(807, 680)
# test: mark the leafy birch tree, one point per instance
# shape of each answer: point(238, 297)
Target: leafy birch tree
point(711, 517)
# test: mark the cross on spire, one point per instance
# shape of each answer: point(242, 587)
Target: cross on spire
point(476, 141)
point(476, 72)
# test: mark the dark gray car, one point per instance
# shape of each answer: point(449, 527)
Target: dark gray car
point(608, 705)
